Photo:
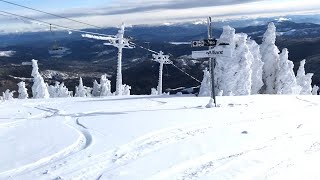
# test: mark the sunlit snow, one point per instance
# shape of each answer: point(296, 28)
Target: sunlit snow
point(160, 137)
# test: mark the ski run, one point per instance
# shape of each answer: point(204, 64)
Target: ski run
point(160, 137)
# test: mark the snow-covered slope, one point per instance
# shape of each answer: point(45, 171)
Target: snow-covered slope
point(167, 137)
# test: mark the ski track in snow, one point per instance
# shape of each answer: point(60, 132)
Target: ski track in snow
point(93, 167)
point(198, 167)
point(98, 163)
point(83, 142)
point(64, 165)
point(307, 101)
point(209, 164)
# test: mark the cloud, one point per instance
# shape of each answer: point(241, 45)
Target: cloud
point(176, 4)
point(136, 12)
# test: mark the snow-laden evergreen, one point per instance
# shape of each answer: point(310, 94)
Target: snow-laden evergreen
point(81, 90)
point(304, 80)
point(59, 90)
point(315, 90)
point(226, 67)
point(285, 81)
point(205, 88)
point(105, 86)
point(22, 90)
point(96, 89)
point(53, 90)
point(63, 91)
point(233, 75)
point(154, 92)
point(39, 87)
point(8, 95)
point(256, 67)
point(102, 89)
point(126, 90)
point(270, 57)
point(243, 59)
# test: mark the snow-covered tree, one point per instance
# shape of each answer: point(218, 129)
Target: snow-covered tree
point(285, 81)
point(7, 95)
point(315, 90)
point(105, 85)
point(96, 88)
point(304, 80)
point(242, 77)
point(126, 90)
point(226, 67)
point(39, 87)
point(81, 90)
point(59, 90)
point(154, 92)
point(270, 57)
point(256, 67)
point(23, 94)
point(205, 88)
point(63, 91)
point(53, 90)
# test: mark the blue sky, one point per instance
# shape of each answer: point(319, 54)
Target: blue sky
point(113, 12)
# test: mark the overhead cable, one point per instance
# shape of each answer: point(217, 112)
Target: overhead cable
point(56, 15)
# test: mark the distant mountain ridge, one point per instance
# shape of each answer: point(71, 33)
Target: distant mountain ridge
point(91, 58)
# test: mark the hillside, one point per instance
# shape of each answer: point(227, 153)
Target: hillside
point(160, 137)
point(90, 58)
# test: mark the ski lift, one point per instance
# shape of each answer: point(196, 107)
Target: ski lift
point(56, 49)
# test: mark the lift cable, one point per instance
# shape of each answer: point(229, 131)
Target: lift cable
point(56, 25)
point(56, 15)
point(150, 50)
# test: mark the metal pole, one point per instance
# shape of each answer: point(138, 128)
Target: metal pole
point(212, 62)
point(119, 66)
point(160, 79)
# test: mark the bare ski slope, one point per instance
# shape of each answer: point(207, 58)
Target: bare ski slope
point(167, 137)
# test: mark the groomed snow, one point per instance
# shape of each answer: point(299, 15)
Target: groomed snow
point(166, 137)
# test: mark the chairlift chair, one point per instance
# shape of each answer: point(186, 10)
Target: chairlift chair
point(56, 49)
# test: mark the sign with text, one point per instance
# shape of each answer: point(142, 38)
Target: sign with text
point(212, 53)
point(204, 43)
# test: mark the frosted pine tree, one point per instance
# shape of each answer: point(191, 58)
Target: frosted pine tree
point(285, 81)
point(58, 90)
point(315, 90)
point(205, 88)
point(226, 67)
point(96, 89)
point(53, 90)
point(256, 67)
point(126, 90)
point(23, 94)
point(63, 91)
point(154, 92)
point(7, 95)
point(304, 80)
point(39, 87)
point(242, 77)
point(105, 84)
point(81, 90)
point(270, 57)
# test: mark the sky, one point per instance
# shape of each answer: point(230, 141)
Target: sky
point(113, 12)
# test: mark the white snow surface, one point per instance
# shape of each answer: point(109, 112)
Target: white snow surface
point(160, 137)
